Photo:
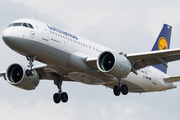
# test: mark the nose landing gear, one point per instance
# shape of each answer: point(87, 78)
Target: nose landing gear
point(30, 72)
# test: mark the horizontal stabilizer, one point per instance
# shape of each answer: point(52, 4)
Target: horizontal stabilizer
point(172, 79)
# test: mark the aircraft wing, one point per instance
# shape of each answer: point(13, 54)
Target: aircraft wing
point(44, 71)
point(172, 79)
point(38, 68)
point(48, 72)
point(141, 60)
point(2, 74)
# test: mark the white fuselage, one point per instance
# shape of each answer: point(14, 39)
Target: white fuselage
point(60, 49)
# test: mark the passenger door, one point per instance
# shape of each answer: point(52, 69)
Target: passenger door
point(45, 33)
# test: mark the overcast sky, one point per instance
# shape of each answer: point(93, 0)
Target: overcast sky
point(127, 26)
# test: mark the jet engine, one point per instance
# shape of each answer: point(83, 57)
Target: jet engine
point(114, 64)
point(16, 76)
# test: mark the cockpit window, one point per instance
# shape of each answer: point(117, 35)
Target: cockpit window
point(11, 25)
point(17, 24)
point(30, 26)
point(25, 25)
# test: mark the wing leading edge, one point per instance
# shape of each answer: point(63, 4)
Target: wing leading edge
point(141, 60)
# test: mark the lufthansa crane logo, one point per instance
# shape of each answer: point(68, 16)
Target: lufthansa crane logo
point(32, 34)
point(162, 43)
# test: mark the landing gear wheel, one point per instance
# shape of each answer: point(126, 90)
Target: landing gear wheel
point(124, 89)
point(64, 97)
point(30, 72)
point(57, 98)
point(60, 96)
point(117, 90)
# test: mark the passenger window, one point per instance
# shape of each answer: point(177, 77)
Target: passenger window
point(30, 26)
point(25, 25)
point(17, 24)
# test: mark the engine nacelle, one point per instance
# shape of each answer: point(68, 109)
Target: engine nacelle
point(114, 64)
point(16, 76)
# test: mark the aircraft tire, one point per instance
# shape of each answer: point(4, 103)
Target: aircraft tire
point(28, 72)
point(124, 89)
point(32, 72)
point(116, 90)
point(64, 97)
point(56, 98)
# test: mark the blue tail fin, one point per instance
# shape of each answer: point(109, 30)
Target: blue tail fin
point(162, 43)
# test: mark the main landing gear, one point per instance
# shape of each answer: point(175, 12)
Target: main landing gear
point(120, 88)
point(30, 72)
point(60, 96)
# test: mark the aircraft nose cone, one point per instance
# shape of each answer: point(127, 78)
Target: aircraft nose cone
point(6, 35)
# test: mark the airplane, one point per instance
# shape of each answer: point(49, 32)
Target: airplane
point(68, 57)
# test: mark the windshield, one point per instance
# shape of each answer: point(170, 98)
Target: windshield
point(27, 25)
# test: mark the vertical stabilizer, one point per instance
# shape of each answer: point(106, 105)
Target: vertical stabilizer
point(162, 43)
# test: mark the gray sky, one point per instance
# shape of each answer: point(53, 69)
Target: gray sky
point(130, 26)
